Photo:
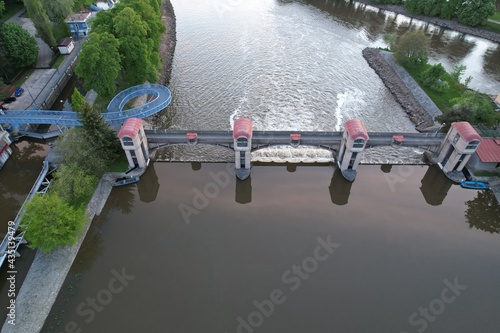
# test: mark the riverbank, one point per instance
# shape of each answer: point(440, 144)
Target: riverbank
point(421, 112)
point(167, 46)
point(49, 270)
point(448, 24)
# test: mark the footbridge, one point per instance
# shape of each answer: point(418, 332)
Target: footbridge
point(160, 99)
point(262, 139)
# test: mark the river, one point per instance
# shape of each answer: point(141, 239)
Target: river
point(294, 248)
point(196, 263)
point(298, 66)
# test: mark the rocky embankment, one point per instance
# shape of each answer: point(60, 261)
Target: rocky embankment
point(402, 94)
point(448, 24)
point(167, 46)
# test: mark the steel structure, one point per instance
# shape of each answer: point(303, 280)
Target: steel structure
point(116, 114)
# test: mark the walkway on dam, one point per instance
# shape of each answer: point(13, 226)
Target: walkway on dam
point(262, 139)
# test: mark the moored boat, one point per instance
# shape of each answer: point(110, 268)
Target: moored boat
point(126, 181)
point(474, 185)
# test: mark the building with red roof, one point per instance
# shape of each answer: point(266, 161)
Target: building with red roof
point(487, 156)
point(134, 142)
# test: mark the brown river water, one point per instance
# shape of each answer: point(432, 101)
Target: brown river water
point(295, 248)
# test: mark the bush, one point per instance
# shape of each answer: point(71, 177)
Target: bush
point(440, 86)
point(50, 222)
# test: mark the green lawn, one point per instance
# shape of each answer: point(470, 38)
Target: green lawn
point(119, 165)
point(490, 26)
point(59, 61)
point(495, 16)
point(442, 100)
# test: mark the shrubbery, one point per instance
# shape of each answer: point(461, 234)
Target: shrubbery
point(58, 217)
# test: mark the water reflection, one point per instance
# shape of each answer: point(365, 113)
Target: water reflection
point(386, 168)
point(17, 177)
point(483, 212)
point(435, 186)
point(123, 199)
point(148, 186)
point(195, 166)
point(339, 188)
point(243, 192)
point(491, 62)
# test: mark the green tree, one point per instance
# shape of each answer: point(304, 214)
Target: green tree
point(103, 139)
point(91, 147)
point(390, 40)
point(473, 107)
point(75, 147)
point(51, 223)
point(458, 112)
point(449, 8)
point(103, 22)
point(475, 12)
point(458, 71)
point(99, 63)
point(411, 48)
point(58, 10)
point(2, 8)
point(3, 94)
point(132, 33)
point(20, 46)
point(432, 78)
point(81, 4)
point(77, 101)
point(73, 184)
point(41, 21)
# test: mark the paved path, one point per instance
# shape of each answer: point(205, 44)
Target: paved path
point(48, 272)
point(42, 82)
point(45, 53)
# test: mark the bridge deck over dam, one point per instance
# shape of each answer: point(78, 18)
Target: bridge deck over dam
point(262, 139)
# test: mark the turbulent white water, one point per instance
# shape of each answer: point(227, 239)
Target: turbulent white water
point(286, 66)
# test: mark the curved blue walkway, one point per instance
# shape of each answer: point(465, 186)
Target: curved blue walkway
point(115, 115)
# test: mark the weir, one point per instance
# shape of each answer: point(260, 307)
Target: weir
point(450, 151)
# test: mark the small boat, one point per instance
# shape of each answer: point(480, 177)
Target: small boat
point(126, 181)
point(474, 185)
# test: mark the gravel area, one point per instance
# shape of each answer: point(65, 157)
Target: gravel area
point(448, 24)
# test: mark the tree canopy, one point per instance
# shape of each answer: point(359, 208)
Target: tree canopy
point(99, 63)
point(475, 12)
point(138, 27)
point(411, 48)
point(472, 107)
point(58, 10)
point(41, 21)
point(470, 12)
point(20, 46)
point(73, 184)
point(50, 222)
